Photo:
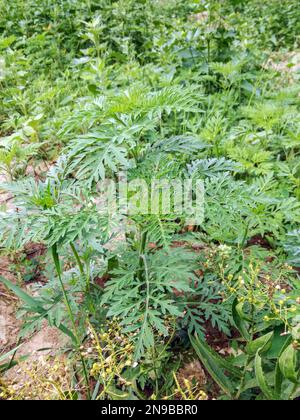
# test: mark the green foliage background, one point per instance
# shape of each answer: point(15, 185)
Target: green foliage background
point(173, 89)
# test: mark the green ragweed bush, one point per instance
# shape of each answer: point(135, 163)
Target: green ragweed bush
point(172, 90)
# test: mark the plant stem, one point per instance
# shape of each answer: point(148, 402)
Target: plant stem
point(80, 266)
point(147, 302)
point(240, 390)
point(141, 255)
point(71, 315)
point(245, 236)
point(78, 260)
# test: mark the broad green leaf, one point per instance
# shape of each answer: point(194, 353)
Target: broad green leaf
point(225, 364)
point(240, 323)
point(278, 342)
point(240, 310)
point(261, 379)
point(212, 365)
point(252, 383)
point(262, 343)
point(288, 364)
point(278, 374)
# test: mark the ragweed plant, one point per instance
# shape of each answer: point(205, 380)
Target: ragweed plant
point(160, 90)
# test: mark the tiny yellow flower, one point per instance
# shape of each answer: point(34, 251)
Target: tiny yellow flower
point(281, 302)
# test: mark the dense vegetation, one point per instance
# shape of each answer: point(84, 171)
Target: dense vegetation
point(171, 89)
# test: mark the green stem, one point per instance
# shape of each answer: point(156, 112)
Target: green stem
point(141, 255)
point(243, 243)
point(78, 260)
point(243, 379)
point(80, 266)
point(146, 319)
point(71, 315)
point(147, 302)
point(208, 56)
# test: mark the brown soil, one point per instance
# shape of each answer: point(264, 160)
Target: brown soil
point(9, 325)
point(37, 349)
point(260, 241)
